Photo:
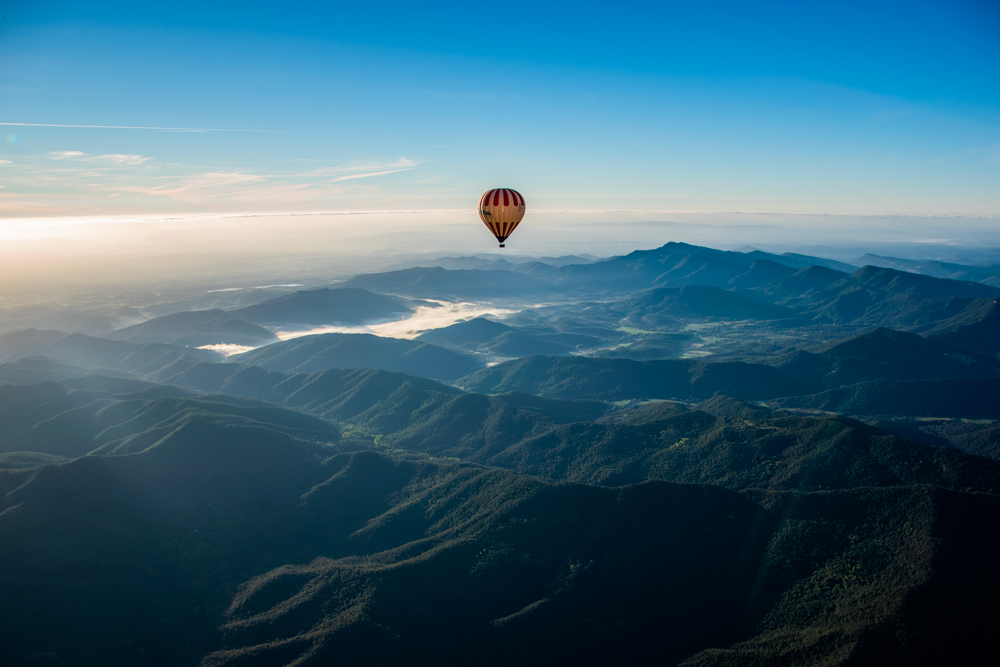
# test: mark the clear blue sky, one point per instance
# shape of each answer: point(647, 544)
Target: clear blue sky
point(827, 107)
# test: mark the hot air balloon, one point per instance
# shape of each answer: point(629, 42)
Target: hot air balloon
point(501, 210)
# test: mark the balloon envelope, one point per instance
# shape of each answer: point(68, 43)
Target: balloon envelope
point(501, 210)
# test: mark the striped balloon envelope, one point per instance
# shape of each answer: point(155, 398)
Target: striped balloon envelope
point(501, 210)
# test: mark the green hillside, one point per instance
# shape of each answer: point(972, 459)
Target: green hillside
point(956, 397)
point(450, 285)
point(324, 306)
point(66, 420)
point(617, 379)
point(498, 339)
point(290, 556)
point(661, 306)
point(93, 352)
point(194, 329)
point(975, 330)
point(319, 352)
point(882, 355)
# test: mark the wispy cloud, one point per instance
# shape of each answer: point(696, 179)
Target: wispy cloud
point(374, 173)
point(65, 155)
point(398, 164)
point(103, 183)
point(122, 159)
point(137, 127)
point(203, 185)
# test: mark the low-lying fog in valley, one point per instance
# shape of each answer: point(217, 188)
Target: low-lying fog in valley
point(423, 318)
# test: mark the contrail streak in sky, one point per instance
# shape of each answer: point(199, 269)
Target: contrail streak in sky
point(129, 127)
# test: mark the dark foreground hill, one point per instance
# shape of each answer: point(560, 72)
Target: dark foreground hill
point(314, 353)
point(289, 557)
point(194, 329)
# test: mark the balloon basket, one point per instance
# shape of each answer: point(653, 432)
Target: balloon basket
point(502, 245)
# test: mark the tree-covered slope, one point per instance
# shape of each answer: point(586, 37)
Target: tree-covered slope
point(883, 355)
point(93, 352)
point(976, 329)
point(237, 526)
point(495, 338)
point(324, 306)
point(289, 557)
point(886, 297)
point(449, 285)
point(449, 552)
point(614, 379)
point(957, 397)
point(314, 353)
point(194, 329)
point(115, 416)
point(660, 306)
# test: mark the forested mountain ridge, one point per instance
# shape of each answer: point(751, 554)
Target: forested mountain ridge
point(194, 329)
point(338, 350)
point(446, 542)
point(324, 306)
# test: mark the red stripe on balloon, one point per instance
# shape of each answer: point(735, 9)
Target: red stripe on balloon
point(496, 197)
point(506, 199)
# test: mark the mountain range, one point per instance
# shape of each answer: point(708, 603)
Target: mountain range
point(680, 456)
point(305, 551)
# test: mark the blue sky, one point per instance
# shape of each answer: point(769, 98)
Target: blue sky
point(883, 108)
